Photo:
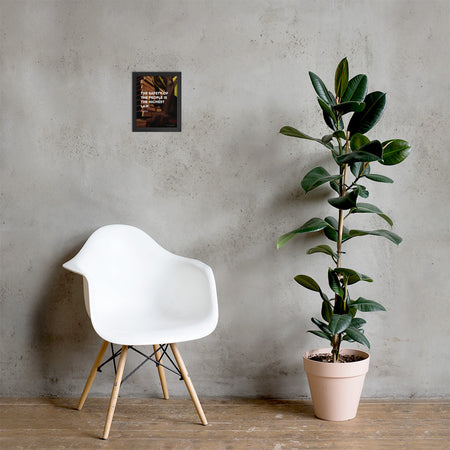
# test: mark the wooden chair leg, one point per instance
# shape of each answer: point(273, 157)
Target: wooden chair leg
point(93, 372)
point(162, 375)
point(188, 382)
point(115, 391)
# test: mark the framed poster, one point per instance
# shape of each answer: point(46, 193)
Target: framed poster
point(156, 101)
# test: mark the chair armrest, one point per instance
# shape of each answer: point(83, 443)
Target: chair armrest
point(188, 291)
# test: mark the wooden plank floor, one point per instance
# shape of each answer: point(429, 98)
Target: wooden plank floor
point(233, 424)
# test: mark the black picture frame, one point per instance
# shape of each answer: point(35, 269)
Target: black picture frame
point(156, 101)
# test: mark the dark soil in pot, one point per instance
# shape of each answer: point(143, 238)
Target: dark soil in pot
point(328, 357)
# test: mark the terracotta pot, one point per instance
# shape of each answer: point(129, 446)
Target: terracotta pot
point(336, 387)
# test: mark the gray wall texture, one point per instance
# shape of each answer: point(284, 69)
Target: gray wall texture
point(224, 188)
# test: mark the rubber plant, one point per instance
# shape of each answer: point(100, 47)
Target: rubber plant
point(354, 154)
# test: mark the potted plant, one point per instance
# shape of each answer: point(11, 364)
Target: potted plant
point(354, 153)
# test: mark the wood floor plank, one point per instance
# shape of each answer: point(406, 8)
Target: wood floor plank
point(234, 424)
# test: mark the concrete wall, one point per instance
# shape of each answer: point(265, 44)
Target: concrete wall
point(224, 188)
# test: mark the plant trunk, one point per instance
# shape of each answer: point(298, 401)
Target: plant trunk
point(336, 347)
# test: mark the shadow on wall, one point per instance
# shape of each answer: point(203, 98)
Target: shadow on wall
point(62, 334)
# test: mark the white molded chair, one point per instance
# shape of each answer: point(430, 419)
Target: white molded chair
point(138, 293)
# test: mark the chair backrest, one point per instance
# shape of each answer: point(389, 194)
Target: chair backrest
point(119, 258)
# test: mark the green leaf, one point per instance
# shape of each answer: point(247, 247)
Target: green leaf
point(322, 249)
point(365, 120)
point(395, 238)
point(326, 108)
point(320, 88)
point(356, 168)
point(362, 191)
point(331, 230)
point(339, 323)
point(371, 209)
point(357, 156)
point(341, 78)
point(331, 234)
point(347, 201)
point(321, 334)
point(395, 151)
point(346, 107)
point(334, 283)
point(307, 282)
point(351, 276)
point(314, 224)
point(290, 131)
point(324, 297)
point(330, 220)
point(379, 178)
point(339, 305)
point(356, 89)
point(357, 336)
point(339, 134)
point(366, 208)
point(339, 126)
point(357, 322)
point(321, 325)
point(327, 311)
point(329, 121)
point(373, 151)
point(316, 177)
point(358, 140)
point(334, 186)
point(364, 305)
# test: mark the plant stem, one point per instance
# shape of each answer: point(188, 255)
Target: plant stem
point(342, 190)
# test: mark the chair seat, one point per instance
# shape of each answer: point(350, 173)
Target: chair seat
point(128, 330)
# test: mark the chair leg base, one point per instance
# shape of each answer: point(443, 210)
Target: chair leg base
point(118, 381)
point(93, 372)
point(115, 391)
point(161, 373)
point(188, 382)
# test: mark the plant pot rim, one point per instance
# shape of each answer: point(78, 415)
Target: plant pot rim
point(336, 370)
